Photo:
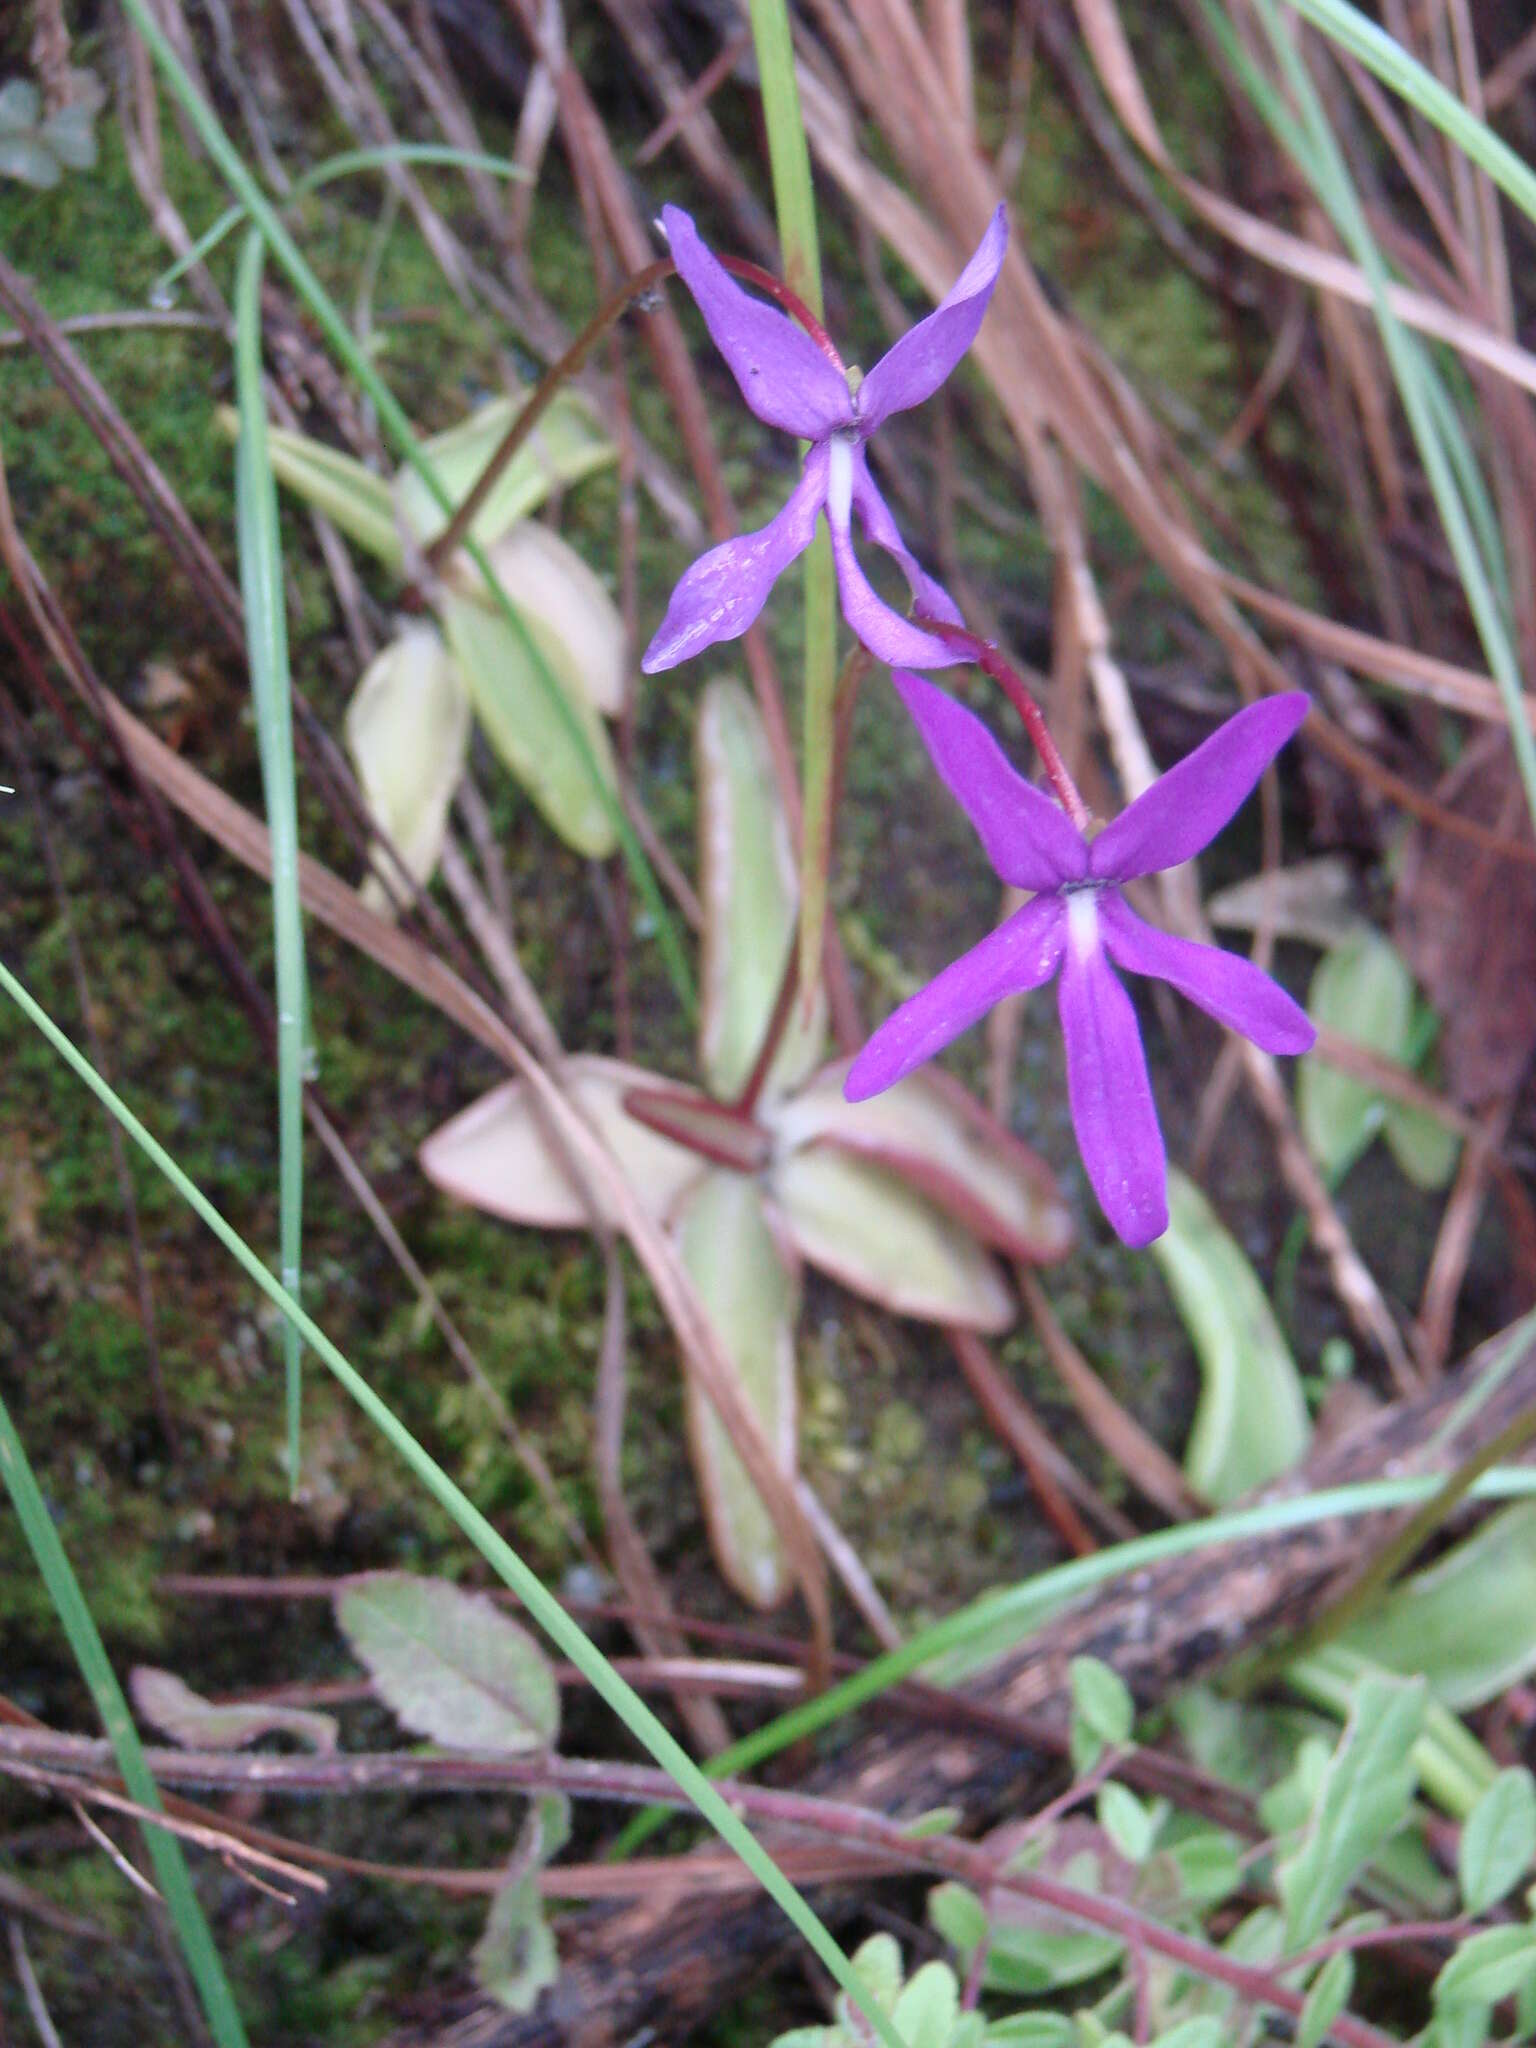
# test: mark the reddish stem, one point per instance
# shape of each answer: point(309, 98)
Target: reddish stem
point(986, 656)
point(775, 288)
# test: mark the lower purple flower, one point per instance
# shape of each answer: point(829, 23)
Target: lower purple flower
point(1078, 922)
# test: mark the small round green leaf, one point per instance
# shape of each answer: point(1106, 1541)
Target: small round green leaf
point(1498, 1840)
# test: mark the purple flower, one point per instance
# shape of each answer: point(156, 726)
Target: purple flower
point(788, 382)
point(1078, 921)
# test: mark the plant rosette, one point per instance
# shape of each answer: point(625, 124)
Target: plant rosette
point(767, 1166)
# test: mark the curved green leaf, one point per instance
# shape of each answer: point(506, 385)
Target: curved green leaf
point(1363, 991)
point(752, 1299)
point(407, 731)
point(169, 1704)
point(521, 722)
point(1251, 1422)
point(566, 445)
point(566, 607)
point(748, 888)
point(350, 495)
point(879, 1237)
point(930, 1132)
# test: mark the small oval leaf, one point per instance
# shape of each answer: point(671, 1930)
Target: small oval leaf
point(407, 731)
point(566, 446)
point(1326, 2000)
point(1498, 1840)
point(1313, 901)
point(879, 1237)
point(169, 1704)
point(495, 1155)
point(351, 497)
point(514, 1960)
point(450, 1664)
point(1251, 1423)
point(566, 608)
point(752, 1300)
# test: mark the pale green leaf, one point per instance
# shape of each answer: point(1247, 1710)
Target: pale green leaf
point(566, 607)
point(1326, 1999)
point(748, 888)
point(752, 1300)
point(29, 160)
point(20, 106)
point(1032, 2030)
point(1363, 1798)
point(407, 731)
point(877, 1960)
point(566, 446)
point(958, 1916)
point(928, 2008)
point(1102, 1701)
point(1363, 991)
point(169, 1704)
point(1425, 1149)
point(1251, 1423)
point(515, 707)
point(449, 1664)
point(936, 1136)
point(1467, 1623)
point(1202, 2032)
point(514, 1960)
point(356, 501)
point(1126, 1821)
point(71, 135)
point(1498, 1840)
point(879, 1237)
point(496, 1154)
point(1487, 1967)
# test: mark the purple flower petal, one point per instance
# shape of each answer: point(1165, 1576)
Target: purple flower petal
point(784, 376)
point(880, 525)
point(1028, 838)
point(915, 367)
point(888, 636)
point(1020, 954)
point(1107, 1086)
point(1224, 985)
point(1187, 807)
point(724, 591)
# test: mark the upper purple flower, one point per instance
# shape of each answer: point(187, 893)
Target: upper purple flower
point(1078, 921)
point(788, 382)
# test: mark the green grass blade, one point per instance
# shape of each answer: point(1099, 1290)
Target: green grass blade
point(398, 430)
point(165, 1855)
point(545, 1609)
point(795, 203)
point(266, 645)
point(1309, 138)
point(1397, 68)
point(345, 164)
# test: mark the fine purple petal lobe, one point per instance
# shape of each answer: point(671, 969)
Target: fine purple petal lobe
point(914, 367)
point(888, 636)
point(1107, 1086)
point(1185, 809)
point(879, 524)
point(1028, 838)
point(725, 589)
point(784, 377)
point(1224, 985)
point(1022, 953)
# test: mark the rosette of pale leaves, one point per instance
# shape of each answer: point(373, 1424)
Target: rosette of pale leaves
point(901, 1199)
point(38, 148)
point(408, 725)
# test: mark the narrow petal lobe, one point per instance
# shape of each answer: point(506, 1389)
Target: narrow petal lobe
point(1020, 954)
point(888, 636)
point(1187, 807)
point(784, 377)
point(879, 523)
point(1224, 985)
point(724, 591)
point(1108, 1088)
point(917, 365)
point(1028, 838)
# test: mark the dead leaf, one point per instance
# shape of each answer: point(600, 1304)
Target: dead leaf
point(1466, 923)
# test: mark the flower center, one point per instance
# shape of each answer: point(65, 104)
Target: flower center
point(840, 479)
point(1082, 917)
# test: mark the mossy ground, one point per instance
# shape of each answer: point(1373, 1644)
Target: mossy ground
point(891, 1438)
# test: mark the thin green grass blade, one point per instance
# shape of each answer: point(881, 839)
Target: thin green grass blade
point(345, 164)
point(266, 646)
point(1308, 136)
point(545, 1609)
point(398, 429)
point(795, 203)
point(1397, 68)
point(165, 1855)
